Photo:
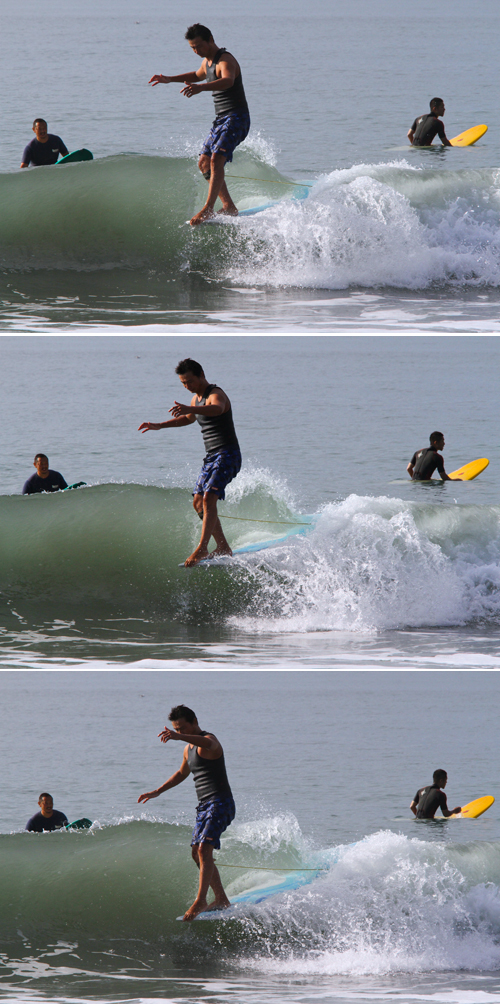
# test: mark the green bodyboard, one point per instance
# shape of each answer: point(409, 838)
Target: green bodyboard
point(72, 158)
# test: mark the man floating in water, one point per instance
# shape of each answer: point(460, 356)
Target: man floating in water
point(48, 818)
point(45, 148)
point(211, 408)
point(425, 461)
point(431, 798)
point(44, 480)
point(204, 759)
point(426, 127)
point(222, 76)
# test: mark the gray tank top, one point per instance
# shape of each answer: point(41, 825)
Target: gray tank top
point(217, 430)
point(231, 100)
point(210, 778)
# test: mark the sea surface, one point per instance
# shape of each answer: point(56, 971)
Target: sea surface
point(340, 667)
point(389, 238)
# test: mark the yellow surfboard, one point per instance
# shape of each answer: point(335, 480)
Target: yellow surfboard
point(470, 471)
point(474, 809)
point(470, 136)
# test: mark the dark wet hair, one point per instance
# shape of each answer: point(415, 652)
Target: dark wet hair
point(44, 794)
point(39, 120)
point(198, 31)
point(189, 366)
point(180, 711)
point(435, 101)
point(439, 776)
point(40, 456)
point(435, 435)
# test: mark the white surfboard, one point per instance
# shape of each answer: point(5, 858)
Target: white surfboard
point(293, 880)
point(306, 523)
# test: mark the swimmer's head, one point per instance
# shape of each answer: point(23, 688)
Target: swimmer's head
point(40, 129)
point(41, 462)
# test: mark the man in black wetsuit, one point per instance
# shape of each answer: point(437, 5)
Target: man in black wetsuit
point(204, 759)
point(426, 127)
point(424, 462)
point(431, 798)
point(222, 76)
point(211, 408)
point(48, 818)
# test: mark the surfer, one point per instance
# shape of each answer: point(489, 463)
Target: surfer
point(431, 798)
point(424, 462)
point(204, 759)
point(211, 408)
point(44, 480)
point(45, 148)
point(48, 818)
point(426, 127)
point(222, 76)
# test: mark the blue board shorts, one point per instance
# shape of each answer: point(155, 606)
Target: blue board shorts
point(218, 470)
point(227, 132)
point(212, 818)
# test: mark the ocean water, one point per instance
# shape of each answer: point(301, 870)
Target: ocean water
point(323, 766)
point(340, 667)
point(389, 238)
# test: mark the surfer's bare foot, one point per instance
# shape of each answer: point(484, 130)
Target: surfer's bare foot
point(204, 214)
point(221, 551)
point(227, 211)
point(199, 906)
point(218, 904)
point(198, 554)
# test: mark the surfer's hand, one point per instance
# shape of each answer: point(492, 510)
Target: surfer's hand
point(191, 89)
point(146, 426)
point(180, 409)
point(168, 734)
point(458, 808)
point(158, 78)
point(147, 795)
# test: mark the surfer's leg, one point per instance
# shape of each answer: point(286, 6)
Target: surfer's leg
point(211, 528)
point(203, 855)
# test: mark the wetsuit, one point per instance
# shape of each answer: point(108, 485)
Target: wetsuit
point(40, 154)
point(429, 800)
point(54, 482)
point(425, 462)
point(425, 128)
point(216, 808)
point(38, 823)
